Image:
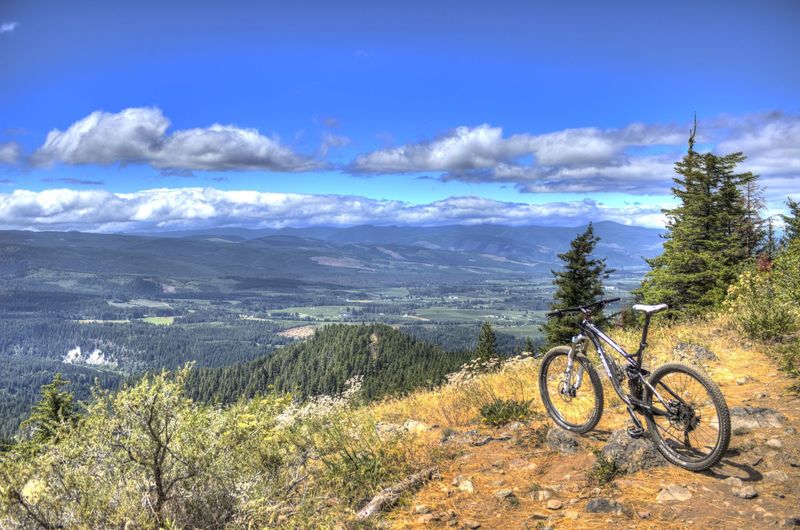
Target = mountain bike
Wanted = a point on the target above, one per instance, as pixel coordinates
(686, 414)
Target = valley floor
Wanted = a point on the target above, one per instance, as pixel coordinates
(515, 480)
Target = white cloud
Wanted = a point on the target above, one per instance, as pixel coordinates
(8, 27)
(9, 153)
(332, 140)
(138, 135)
(636, 159)
(102, 210)
(485, 147)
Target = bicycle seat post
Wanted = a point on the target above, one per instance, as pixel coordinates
(643, 342)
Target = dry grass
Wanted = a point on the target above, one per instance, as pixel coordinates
(457, 407)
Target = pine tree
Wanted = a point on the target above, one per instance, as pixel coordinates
(528, 345)
(752, 230)
(710, 234)
(770, 248)
(487, 343)
(51, 413)
(579, 282)
(791, 222)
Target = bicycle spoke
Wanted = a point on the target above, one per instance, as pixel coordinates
(694, 434)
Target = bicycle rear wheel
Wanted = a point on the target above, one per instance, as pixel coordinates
(575, 405)
(694, 428)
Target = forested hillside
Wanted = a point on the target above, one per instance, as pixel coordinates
(387, 362)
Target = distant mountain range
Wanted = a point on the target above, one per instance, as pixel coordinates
(534, 247)
(359, 255)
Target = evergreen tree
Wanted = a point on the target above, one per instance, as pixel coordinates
(753, 229)
(770, 248)
(528, 345)
(487, 343)
(51, 413)
(580, 282)
(791, 222)
(711, 233)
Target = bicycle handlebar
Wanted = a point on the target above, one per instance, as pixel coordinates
(585, 309)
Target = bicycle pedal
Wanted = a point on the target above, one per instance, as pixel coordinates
(635, 432)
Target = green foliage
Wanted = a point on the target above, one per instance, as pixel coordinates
(712, 233)
(149, 457)
(791, 222)
(390, 362)
(579, 282)
(603, 471)
(487, 343)
(502, 411)
(763, 301)
(52, 414)
(529, 347)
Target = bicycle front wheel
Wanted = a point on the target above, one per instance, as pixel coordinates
(575, 400)
(690, 424)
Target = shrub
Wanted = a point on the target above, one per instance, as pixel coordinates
(604, 469)
(502, 411)
(759, 305)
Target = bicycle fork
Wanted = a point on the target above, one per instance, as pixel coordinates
(578, 343)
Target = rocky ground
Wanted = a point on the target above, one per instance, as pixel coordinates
(531, 475)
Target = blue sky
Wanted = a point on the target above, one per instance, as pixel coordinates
(530, 112)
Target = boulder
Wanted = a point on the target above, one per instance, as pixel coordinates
(562, 441)
(631, 454)
(745, 419)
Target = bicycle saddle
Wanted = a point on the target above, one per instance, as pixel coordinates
(649, 309)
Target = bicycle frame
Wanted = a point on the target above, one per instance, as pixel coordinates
(598, 337)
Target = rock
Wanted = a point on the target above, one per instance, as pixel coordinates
(554, 504)
(760, 395)
(736, 482)
(743, 380)
(752, 459)
(428, 518)
(602, 505)
(414, 426)
(694, 351)
(776, 476)
(562, 441)
(792, 521)
(384, 428)
(472, 525)
(745, 419)
(631, 454)
(543, 495)
(745, 492)
(643, 515)
(674, 493)
(515, 426)
(507, 496)
(503, 494)
(420, 509)
(774, 443)
(466, 485)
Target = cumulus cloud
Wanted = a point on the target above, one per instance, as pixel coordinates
(9, 153)
(138, 135)
(102, 210)
(8, 27)
(485, 147)
(638, 158)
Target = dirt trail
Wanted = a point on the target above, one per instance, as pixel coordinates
(497, 485)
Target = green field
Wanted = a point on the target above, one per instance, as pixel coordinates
(159, 321)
